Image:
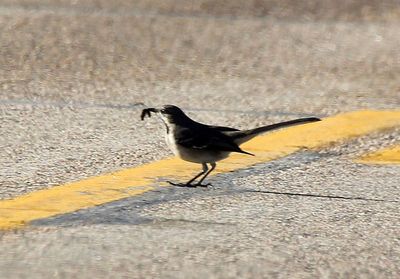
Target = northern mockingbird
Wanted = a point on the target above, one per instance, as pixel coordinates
(204, 144)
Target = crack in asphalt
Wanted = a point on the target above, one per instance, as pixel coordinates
(181, 220)
(140, 105)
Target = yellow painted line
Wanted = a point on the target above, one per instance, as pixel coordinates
(390, 155)
(130, 182)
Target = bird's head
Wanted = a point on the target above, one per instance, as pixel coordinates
(169, 113)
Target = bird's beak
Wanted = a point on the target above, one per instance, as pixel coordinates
(147, 112)
(153, 110)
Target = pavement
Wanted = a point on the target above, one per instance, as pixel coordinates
(73, 75)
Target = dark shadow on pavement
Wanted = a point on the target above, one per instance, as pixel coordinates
(316, 195)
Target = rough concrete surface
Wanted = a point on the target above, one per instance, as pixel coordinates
(72, 75)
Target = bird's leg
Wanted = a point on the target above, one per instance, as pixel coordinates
(189, 183)
(213, 165)
(205, 169)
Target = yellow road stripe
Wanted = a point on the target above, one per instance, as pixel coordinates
(390, 155)
(129, 182)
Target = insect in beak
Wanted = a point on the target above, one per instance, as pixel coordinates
(147, 112)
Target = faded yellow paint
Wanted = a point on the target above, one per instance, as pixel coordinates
(134, 181)
(390, 155)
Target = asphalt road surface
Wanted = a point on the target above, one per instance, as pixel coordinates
(73, 75)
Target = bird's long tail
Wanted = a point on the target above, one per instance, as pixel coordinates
(240, 137)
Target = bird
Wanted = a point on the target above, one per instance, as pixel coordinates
(207, 144)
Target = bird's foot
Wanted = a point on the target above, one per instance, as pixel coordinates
(182, 184)
(202, 185)
(189, 185)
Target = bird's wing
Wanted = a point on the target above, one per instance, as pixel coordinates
(223, 129)
(206, 139)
